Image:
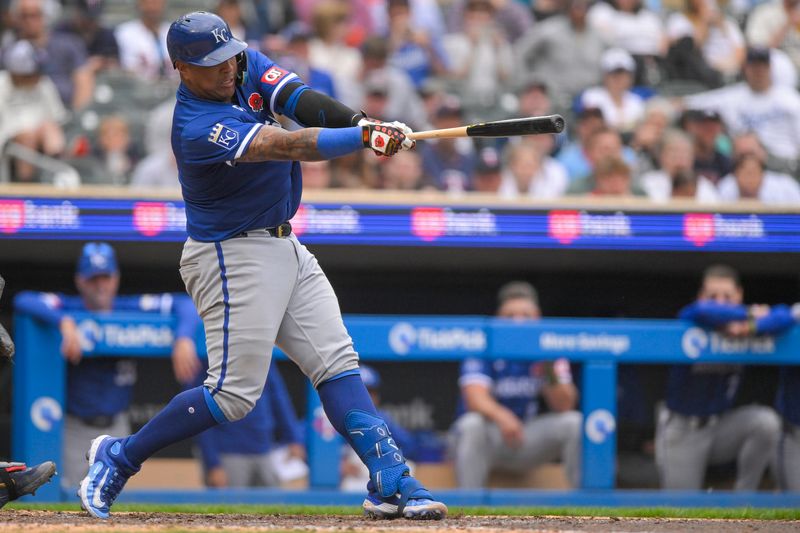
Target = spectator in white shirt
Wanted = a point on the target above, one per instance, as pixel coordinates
(529, 172)
(143, 42)
(751, 180)
(481, 59)
(622, 109)
(676, 155)
(31, 112)
(563, 50)
(776, 25)
(757, 104)
(330, 52)
(628, 25)
(717, 35)
(769, 186)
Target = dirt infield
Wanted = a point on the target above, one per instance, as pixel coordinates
(51, 521)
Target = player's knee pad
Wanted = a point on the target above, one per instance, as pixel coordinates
(374, 444)
(234, 406)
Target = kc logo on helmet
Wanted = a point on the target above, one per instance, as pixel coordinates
(220, 35)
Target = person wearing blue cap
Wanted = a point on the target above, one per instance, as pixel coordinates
(99, 389)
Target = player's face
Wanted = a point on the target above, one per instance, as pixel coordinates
(98, 292)
(519, 309)
(216, 83)
(721, 290)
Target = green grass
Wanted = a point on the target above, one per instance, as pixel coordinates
(743, 513)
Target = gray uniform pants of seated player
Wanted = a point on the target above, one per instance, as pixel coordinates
(249, 470)
(788, 460)
(747, 435)
(77, 437)
(480, 448)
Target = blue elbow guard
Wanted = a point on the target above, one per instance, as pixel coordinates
(374, 444)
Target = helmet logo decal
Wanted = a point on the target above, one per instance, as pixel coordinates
(220, 35)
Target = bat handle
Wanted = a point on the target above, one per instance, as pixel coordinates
(438, 134)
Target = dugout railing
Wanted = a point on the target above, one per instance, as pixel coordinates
(600, 345)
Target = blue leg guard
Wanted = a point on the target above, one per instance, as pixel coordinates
(374, 444)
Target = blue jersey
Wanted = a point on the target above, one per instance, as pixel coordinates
(208, 137)
(515, 384)
(710, 389)
(103, 386)
(272, 420)
(787, 401)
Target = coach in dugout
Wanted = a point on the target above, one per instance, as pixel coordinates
(699, 424)
(99, 389)
(519, 414)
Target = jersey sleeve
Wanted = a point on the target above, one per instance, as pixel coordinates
(45, 306)
(271, 80)
(475, 372)
(712, 314)
(217, 138)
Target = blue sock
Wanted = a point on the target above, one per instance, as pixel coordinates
(188, 414)
(340, 395)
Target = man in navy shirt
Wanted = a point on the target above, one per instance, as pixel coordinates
(252, 281)
(99, 389)
(505, 426)
(699, 424)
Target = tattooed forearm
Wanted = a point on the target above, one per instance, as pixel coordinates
(276, 144)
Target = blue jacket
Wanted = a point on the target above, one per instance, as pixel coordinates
(103, 386)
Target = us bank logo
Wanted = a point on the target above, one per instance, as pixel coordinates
(697, 341)
(600, 425)
(46, 412)
(405, 337)
(693, 342)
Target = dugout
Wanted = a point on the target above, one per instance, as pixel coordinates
(388, 253)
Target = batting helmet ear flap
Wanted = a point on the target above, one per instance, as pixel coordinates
(241, 68)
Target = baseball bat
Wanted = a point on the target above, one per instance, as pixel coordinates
(498, 128)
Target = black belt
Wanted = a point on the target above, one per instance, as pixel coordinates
(281, 230)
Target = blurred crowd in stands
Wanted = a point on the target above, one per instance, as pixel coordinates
(692, 99)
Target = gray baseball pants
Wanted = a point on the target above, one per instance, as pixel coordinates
(77, 437)
(479, 447)
(254, 470)
(252, 293)
(788, 460)
(747, 434)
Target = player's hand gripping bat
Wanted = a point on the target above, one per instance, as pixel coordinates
(498, 128)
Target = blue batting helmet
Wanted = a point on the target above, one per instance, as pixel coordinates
(203, 39)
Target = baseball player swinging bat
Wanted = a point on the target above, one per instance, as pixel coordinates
(497, 128)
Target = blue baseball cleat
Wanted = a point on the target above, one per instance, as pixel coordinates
(413, 502)
(106, 476)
